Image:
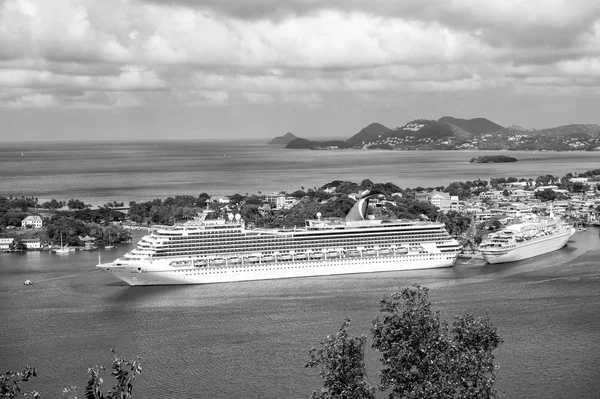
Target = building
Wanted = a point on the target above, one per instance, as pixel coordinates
(6, 243)
(280, 201)
(579, 180)
(32, 243)
(32, 221)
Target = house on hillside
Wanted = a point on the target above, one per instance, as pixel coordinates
(32, 221)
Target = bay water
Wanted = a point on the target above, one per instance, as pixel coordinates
(251, 339)
(99, 172)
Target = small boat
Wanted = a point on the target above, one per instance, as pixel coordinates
(316, 255)
(300, 256)
(63, 249)
(353, 253)
(110, 245)
(218, 261)
(385, 251)
(285, 258)
(333, 254)
(370, 252)
(27, 282)
(268, 258)
(234, 261)
(253, 259)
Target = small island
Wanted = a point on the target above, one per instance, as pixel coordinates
(493, 159)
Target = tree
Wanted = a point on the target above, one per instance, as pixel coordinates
(10, 383)
(75, 204)
(53, 204)
(123, 370)
(422, 358)
(342, 366)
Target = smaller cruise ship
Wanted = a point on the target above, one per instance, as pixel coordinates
(534, 237)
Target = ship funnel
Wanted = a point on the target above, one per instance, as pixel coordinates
(359, 210)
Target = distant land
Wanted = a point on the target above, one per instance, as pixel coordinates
(285, 139)
(449, 133)
(493, 159)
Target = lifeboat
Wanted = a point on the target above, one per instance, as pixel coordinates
(316, 255)
(300, 256)
(268, 258)
(200, 263)
(218, 261)
(234, 261)
(353, 253)
(402, 250)
(370, 252)
(333, 254)
(385, 251)
(253, 259)
(285, 258)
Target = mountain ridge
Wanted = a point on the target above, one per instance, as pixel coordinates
(449, 133)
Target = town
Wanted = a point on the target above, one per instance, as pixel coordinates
(469, 209)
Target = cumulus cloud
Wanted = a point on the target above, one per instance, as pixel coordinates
(219, 52)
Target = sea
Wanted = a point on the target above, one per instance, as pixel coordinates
(252, 339)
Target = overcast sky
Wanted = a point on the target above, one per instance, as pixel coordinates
(127, 69)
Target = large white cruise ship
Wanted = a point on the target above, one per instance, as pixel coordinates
(215, 251)
(527, 239)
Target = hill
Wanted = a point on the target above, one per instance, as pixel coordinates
(285, 139)
(476, 126)
(370, 133)
(450, 133)
(580, 131)
(305, 144)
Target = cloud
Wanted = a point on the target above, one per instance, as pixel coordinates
(197, 53)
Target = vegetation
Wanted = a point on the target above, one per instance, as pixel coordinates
(493, 159)
(123, 370)
(422, 356)
(342, 366)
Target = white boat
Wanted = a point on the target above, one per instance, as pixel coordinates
(64, 249)
(526, 240)
(110, 244)
(212, 241)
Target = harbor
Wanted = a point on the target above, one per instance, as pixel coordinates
(76, 312)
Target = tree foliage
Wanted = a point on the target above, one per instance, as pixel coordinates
(10, 382)
(342, 367)
(123, 370)
(423, 358)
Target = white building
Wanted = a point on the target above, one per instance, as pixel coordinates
(444, 201)
(32, 221)
(578, 180)
(5, 243)
(32, 243)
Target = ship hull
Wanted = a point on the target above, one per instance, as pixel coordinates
(145, 273)
(528, 249)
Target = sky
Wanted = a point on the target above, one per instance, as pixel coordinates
(231, 69)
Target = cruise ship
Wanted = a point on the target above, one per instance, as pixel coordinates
(225, 250)
(527, 239)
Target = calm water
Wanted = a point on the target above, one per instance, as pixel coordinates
(126, 171)
(251, 339)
